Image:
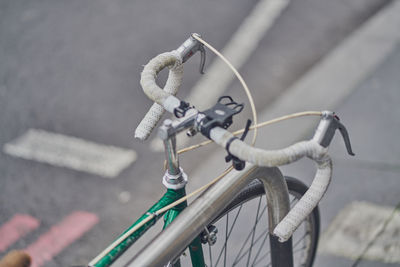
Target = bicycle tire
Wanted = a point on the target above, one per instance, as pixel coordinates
(257, 254)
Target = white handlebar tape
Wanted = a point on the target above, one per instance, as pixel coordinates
(307, 203)
(267, 158)
(155, 93)
(150, 120)
(272, 158)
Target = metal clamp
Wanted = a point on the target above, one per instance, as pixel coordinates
(220, 115)
(169, 127)
(237, 163)
(175, 181)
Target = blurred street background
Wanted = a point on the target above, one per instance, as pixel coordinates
(73, 67)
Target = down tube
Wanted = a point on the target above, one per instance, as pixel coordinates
(171, 242)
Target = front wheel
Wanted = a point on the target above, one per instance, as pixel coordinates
(239, 236)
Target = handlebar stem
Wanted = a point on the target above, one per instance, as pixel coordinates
(170, 149)
(174, 177)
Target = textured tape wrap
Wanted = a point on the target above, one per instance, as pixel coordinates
(268, 158)
(271, 158)
(307, 203)
(155, 93)
(149, 121)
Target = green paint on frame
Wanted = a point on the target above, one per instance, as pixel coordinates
(169, 197)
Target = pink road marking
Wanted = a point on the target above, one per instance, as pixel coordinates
(18, 226)
(61, 236)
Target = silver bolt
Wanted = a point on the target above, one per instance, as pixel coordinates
(191, 132)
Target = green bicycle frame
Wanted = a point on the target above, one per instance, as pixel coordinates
(195, 248)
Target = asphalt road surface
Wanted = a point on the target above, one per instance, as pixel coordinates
(73, 68)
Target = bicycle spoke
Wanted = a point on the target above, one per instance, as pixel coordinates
(263, 257)
(247, 239)
(226, 237)
(299, 249)
(240, 255)
(234, 221)
(257, 239)
(249, 246)
(260, 248)
(294, 246)
(230, 231)
(254, 232)
(301, 238)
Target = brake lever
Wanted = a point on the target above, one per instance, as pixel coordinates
(327, 128)
(190, 47)
(346, 137)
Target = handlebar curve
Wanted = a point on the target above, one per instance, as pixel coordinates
(172, 60)
(272, 158)
(308, 201)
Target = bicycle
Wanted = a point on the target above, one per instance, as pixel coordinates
(289, 203)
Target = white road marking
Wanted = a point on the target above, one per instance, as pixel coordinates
(124, 197)
(70, 152)
(356, 226)
(238, 49)
(330, 81)
(325, 86)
